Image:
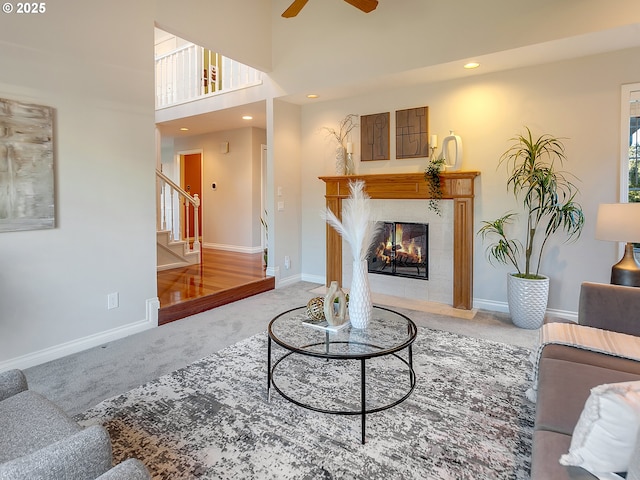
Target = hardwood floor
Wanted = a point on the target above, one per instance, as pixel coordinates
(222, 277)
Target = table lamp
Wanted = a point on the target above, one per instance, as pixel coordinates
(620, 222)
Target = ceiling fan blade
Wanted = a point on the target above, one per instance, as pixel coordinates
(294, 8)
(365, 5)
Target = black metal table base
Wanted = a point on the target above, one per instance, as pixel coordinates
(363, 411)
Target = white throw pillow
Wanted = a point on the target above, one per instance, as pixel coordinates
(634, 467)
(605, 436)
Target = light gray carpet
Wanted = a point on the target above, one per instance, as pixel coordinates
(468, 417)
(80, 381)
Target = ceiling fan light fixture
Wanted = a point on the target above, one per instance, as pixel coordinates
(366, 6)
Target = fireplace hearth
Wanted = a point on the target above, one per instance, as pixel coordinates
(401, 249)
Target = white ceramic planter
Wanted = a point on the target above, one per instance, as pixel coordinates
(527, 301)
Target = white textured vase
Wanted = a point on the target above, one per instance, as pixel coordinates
(341, 165)
(527, 301)
(360, 306)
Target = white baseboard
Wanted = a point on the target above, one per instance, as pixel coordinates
(286, 281)
(152, 307)
(490, 305)
(563, 314)
(233, 248)
(313, 278)
(503, 307)
(80, 344)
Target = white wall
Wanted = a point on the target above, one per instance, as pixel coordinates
(55, 282)
(240, 29)
(231, 219)
(284, 186)
(577, 99)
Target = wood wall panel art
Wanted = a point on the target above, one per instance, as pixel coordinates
(412, 133)
(374, 137)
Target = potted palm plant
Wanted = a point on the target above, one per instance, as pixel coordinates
(548, 196)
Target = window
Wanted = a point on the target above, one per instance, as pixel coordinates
(630, 145)
(634, 149)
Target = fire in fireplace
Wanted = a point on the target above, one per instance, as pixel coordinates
(401, 249)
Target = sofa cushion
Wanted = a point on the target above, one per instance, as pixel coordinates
(563, 389)
(634, 468)
(605, 435)
(84, 455)
(547, 449)
(131, 469)
(578, 355)
(610, 307)
(28, 422)
(11, 383)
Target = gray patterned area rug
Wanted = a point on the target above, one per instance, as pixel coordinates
(467, 418)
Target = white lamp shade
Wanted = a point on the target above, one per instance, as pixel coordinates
(618, 222)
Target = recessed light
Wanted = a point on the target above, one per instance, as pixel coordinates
(247, 117)
(313, 95)
(184, 129)
(471, 65)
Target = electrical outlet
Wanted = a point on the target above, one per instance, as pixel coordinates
(287, 262)
(113, 301)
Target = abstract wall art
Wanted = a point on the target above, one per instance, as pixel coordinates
(374, 137)
(412, 129)
(26, 166)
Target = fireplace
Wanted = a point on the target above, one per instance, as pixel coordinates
(400, 187)
(401, 249)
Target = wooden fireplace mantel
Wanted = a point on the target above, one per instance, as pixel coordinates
(456, 186)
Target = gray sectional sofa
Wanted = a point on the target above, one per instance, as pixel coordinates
(39, 441)
(567, 374)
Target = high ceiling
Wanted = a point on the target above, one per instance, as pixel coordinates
(336, 66)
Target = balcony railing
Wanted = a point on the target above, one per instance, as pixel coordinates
(193, 72)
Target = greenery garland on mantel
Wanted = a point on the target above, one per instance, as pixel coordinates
(432, 177)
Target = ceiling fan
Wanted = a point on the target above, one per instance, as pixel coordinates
(365, 5)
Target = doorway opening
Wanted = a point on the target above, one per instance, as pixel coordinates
(190, 164)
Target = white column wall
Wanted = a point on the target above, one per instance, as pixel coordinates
(55, 282)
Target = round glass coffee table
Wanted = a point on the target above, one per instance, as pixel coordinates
(309, 349)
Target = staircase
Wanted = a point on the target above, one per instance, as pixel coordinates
(174, 253)
(174, 248)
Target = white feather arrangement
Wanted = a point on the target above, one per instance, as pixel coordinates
(357, 226)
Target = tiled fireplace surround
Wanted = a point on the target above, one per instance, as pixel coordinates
(403, 198)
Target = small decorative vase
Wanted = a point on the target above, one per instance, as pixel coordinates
(330, 315)
(360, 306)
(340, 160)
(527, 301)
(349, 167)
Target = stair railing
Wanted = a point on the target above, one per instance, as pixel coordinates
(170, 198)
